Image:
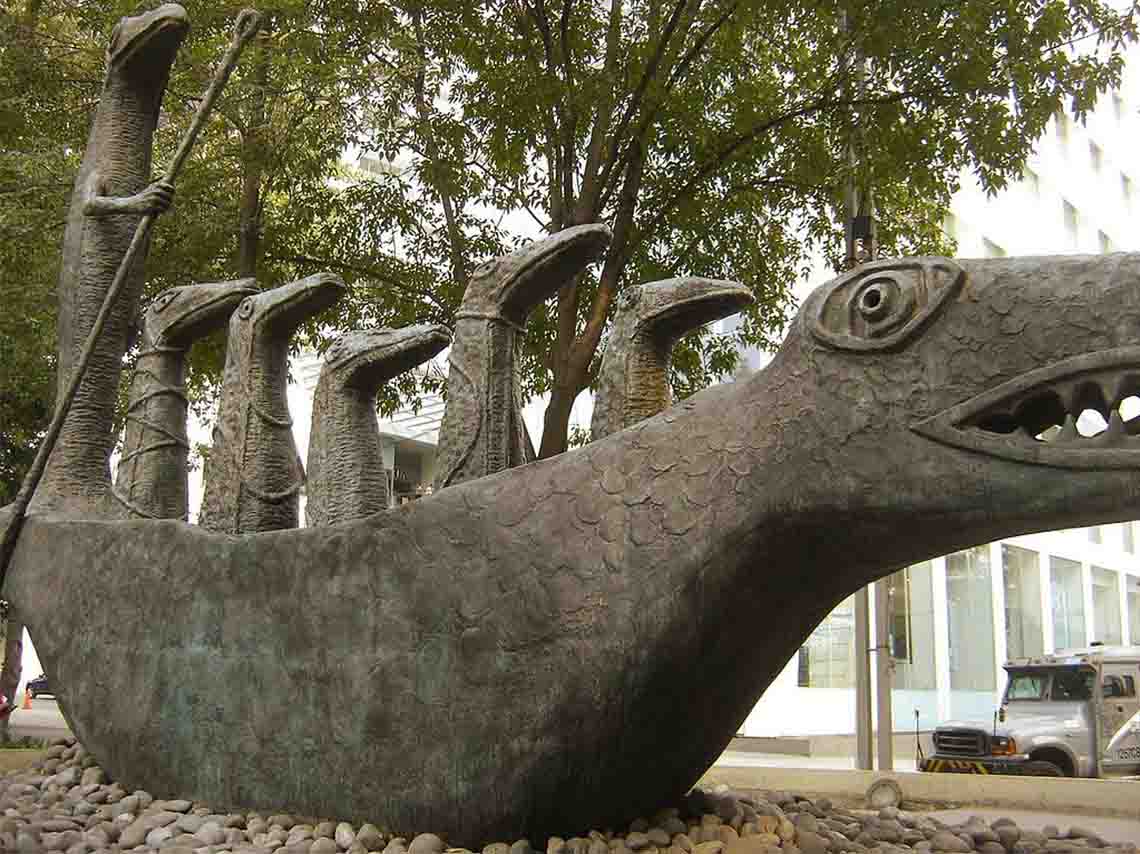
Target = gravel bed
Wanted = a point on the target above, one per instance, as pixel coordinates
(65, 803)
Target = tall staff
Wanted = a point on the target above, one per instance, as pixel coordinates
(245, 27)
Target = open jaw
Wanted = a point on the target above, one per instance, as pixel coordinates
(1081, 413)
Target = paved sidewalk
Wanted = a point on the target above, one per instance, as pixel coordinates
(1109, 829)
(42, 720)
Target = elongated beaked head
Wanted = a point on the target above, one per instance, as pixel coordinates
(367, 359)
(180, 316)
(651, 318)
(512, 285)
(148, 41)
(276, 313)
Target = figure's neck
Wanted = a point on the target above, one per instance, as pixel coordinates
(151, 477)
(346, 478)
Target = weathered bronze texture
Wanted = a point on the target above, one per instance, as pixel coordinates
(569, 644)
(633, 382)
(150, 481)
(109, 197)
(482, 430)
(346, 476)
(253, 475)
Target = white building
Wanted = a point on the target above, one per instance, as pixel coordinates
(956, 619)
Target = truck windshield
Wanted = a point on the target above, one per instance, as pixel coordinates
(1072, 684)
(1026, 686)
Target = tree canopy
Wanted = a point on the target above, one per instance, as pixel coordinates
(715, 136)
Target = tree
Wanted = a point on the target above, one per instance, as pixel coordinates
(713, 136)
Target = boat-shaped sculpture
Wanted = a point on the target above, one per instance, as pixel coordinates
(570, 643)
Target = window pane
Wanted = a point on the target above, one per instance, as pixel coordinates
(970, 624)
(1024, 636)
(1106, 606)
(910, 594)
(827, 660)
(1026, 686)
(1068, 604)
(1134, 608)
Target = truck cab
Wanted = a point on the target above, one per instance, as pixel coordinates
(1074, 715)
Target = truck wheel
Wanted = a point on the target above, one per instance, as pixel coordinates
(1042, 768)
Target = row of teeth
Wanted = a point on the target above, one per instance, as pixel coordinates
(1072, 412)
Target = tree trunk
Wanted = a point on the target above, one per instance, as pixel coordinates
(556, 421)
(13, 665)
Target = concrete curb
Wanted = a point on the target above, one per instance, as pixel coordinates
(1095, 797)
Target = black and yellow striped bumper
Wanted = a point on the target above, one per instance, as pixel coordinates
(955, 766)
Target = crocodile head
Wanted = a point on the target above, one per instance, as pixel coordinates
(365, 360)
(954, 402)
(180, 316)
(511, 285)
(142, 47)
(272, 316)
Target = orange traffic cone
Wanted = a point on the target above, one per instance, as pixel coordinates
(27, 699)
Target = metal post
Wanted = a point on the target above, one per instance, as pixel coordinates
(859, 234)
(862, 681)
(883, 676)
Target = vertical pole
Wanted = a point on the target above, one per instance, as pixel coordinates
(862, 682)
(860, 248)
(883, 677)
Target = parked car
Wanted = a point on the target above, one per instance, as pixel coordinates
(1065, 715)
(39, 686)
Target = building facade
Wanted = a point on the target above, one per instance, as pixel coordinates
(956, 619)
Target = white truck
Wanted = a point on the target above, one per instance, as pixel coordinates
(1073, 714)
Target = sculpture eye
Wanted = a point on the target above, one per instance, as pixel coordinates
(164, 299)
(246, 307)
(486, 268)
(879, 306)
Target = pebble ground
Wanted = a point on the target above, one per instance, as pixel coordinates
(66, 803)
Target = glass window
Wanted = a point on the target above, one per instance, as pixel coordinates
(1095, 534)
(1024, 636)
(1026, 686)
(1133, 596)
(827, 660)
(1032, 181)
(1068, 604)
(1106, 606)
(1063, 127)
(950, 226)
(1127, 534)
(970, 620)
(1129, 686)
(1072, 221)
(1072, 684)
(911, 619)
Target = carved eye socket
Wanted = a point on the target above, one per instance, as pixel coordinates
(879, 306)
(163, 300)
(246, 307)
(486, 268)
